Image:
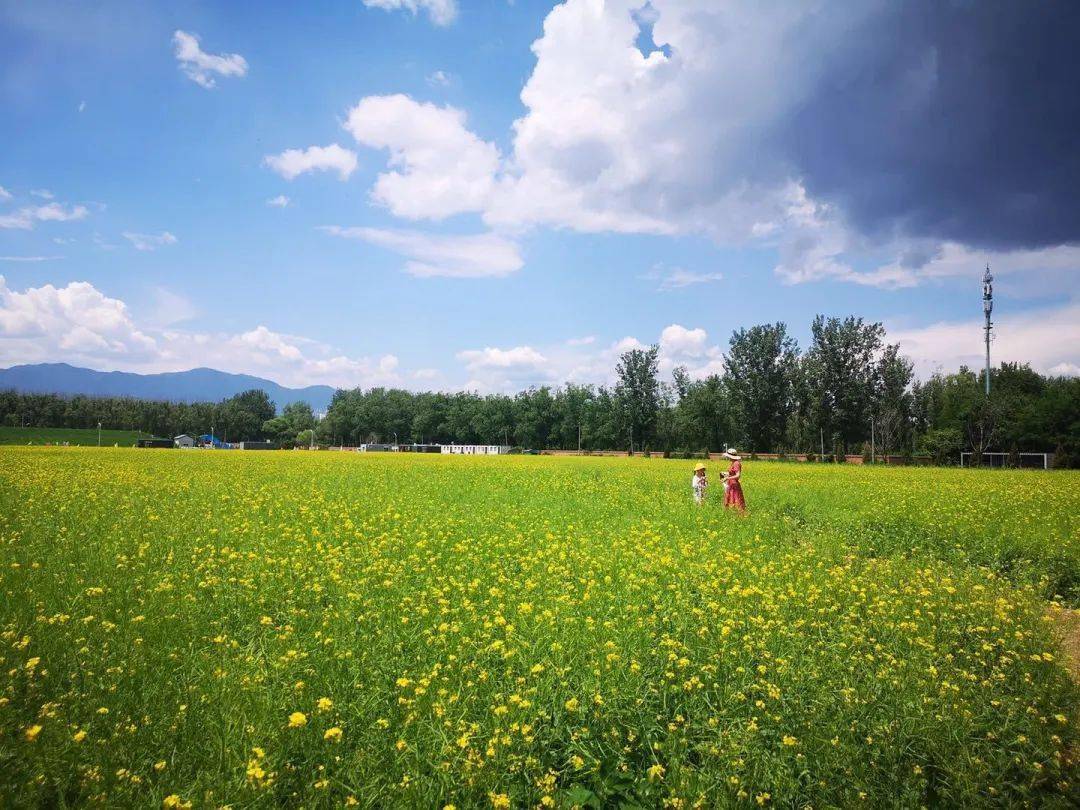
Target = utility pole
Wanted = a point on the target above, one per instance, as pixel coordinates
(988, 307)
(579, 437)
(872, 442)
(99, 434)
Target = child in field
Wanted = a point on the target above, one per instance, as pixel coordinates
(698, 484)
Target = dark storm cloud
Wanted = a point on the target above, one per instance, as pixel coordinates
(956, 121)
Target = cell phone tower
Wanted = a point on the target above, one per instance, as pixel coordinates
(988, 307)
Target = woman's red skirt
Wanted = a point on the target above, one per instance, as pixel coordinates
(733, 498)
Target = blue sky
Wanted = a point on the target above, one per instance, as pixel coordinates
(492, 195)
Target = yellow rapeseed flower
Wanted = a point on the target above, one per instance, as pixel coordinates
(297, 719)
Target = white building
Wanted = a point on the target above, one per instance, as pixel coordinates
(445, 449)
(474, 449)
(183, 440)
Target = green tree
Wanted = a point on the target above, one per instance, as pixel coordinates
(943, 445)
(571, 406)
(429, 412)
(461, 417)
(534, 417)
(241, 417)
(703, 415)
(892, 400)
(638, 393)
(601, 420)
(295, 418)
(760, 370)
(841, 373)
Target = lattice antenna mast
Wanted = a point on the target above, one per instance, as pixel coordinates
(988, 307)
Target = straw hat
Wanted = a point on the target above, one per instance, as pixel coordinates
(699, 467)
(732, 454)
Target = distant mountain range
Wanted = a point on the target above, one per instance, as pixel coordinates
(196, 385)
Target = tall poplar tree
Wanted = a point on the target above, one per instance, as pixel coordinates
(760, 370)
(638, 393)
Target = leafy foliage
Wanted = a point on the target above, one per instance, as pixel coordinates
(761, 367)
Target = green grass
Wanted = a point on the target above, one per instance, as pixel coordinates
(286, 629)
(74, 436)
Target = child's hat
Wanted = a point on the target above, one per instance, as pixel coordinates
(699, 467)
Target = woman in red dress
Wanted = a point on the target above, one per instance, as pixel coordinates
(733, 494)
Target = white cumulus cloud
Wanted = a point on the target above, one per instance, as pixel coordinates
(502, 358)
(672, 137)
(439, 167)
(200, 66)
(1065, 370)
(678, 340)
(494, 369)
(81, 325)
(75, 321)
(293, 162)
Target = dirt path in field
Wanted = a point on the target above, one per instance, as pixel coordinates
(1067, 625)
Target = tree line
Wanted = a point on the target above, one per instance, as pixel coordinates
(238, 418)
(849, 388)
(850, 391)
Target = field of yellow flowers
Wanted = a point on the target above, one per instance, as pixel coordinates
(324, 629)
